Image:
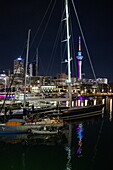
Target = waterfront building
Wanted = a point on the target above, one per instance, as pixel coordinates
(61, 79)
(41, 80)
(48, 88)
(94, 86)
(62, 76)
(102, 80)
(36, 82)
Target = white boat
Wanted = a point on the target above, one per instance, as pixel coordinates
(16, 126)
(45, 131)
(11, 104)
(53, 122)
(20, 126)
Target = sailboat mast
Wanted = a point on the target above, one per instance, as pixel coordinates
(26, 66)
(68, 53)
(68, 45)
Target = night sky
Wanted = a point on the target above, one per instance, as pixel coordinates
(96, 18)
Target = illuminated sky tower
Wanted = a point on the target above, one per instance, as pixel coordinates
(79, 58)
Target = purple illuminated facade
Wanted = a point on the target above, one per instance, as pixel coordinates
(79, 58)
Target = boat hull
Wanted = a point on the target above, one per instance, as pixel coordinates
(26, 128)
(82, 112)
(14, 129)
(44, 132)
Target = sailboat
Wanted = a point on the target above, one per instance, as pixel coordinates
(81, 111)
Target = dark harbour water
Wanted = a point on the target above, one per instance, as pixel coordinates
(84, 145)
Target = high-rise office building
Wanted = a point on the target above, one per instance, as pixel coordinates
(32, 69)
(19, 66)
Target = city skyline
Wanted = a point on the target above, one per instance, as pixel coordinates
(18, 17)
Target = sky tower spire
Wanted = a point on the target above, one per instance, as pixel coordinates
(79, 60)
(79, 44)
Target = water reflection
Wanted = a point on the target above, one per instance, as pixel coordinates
(97, 142)
(74, 143)
(13, 138)
(80, 138)
(68, 164)
(61, 151)
(68, 134)
(64, 151)
(111, 107)
(27, 151)
(29, 139)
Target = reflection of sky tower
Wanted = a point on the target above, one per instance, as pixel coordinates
(79, 58)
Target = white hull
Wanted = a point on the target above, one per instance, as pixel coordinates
(44, 132)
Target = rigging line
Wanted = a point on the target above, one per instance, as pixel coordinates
(61, 50)
(73, 60)
(84, 42)
(98, 139)
(73, 48)
(54, 48)
(12, 81)
(52, 58)
(55, 45)
(46, 27)
(42, 66)
(9, 88)
(23, 49)
(66, 68)
(63, 47)
(62, 11)
(47, 23)
(41, 23)
(63, 34)
(63, 53)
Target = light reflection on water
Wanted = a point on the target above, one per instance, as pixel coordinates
(68, 164)
(111, 107)
(82, 145)
(80, 138)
